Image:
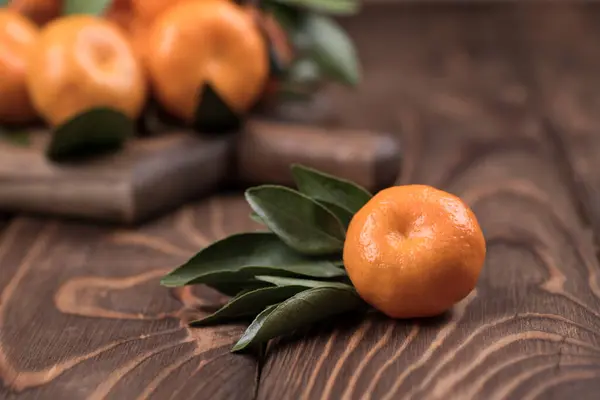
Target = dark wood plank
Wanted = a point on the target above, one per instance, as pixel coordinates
(154, 175)
(265, 150)
(451, 82)
(148, 177)
(565, 60)
(82, 315)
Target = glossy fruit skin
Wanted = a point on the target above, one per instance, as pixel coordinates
(18, 37)
(206, 41)
(82, 62)
(414, 251)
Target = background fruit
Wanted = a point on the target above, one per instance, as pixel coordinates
(39, 11)
(82, 62)
(18, 36)
(414, 251)
(200, 41)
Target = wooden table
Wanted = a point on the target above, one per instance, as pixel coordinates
(500, 105)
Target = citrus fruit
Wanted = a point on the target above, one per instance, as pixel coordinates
(414, 251)
(18, 36)
(82, 62)
(203, 41)
(39, 11)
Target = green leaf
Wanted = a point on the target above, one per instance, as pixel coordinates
(4, 3)
(330, 189)
(303, 309)
(230, 287)
(250, 304)
(307, 283)
(213, 114)
(238, 258)
(343, 215)
(256, 218)
(94, 132)
(336, 7)
(287, 17)
(93, 7)
(332, 49)
(300, 222)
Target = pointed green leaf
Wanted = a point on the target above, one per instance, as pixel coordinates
(93, 7)
(299, 221)
(343, 215)
(213, 114)
(94, 132)
(240, 257)
(332, 49)
(303, 309)
(309, 283)
(250, 304)
(234, 287)
(330, 189)
(336, 7)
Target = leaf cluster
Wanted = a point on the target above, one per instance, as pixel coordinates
(290, 275)
(324, 50)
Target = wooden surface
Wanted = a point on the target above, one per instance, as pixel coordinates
(497, 105)
(265, 150)
(148, 177)
(154, 175)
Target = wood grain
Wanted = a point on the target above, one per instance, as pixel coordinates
(82, 315)
(456, 84)
(564, 65)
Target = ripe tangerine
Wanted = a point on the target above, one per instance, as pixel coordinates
(83, 62)
(202, 41)
(18, 36)
(414, 251)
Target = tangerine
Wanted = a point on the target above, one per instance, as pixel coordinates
(199, 41)
(18, 36)
(414, 251)
(82, 62)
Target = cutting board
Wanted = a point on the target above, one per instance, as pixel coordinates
(152, 175)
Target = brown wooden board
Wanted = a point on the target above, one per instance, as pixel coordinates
(154, 175)
(148, 177)
(532, 328)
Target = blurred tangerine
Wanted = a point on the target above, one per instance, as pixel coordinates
(83, 62)
(206, 41)
(18, 36)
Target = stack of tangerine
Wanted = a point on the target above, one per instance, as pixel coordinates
(56, 67)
